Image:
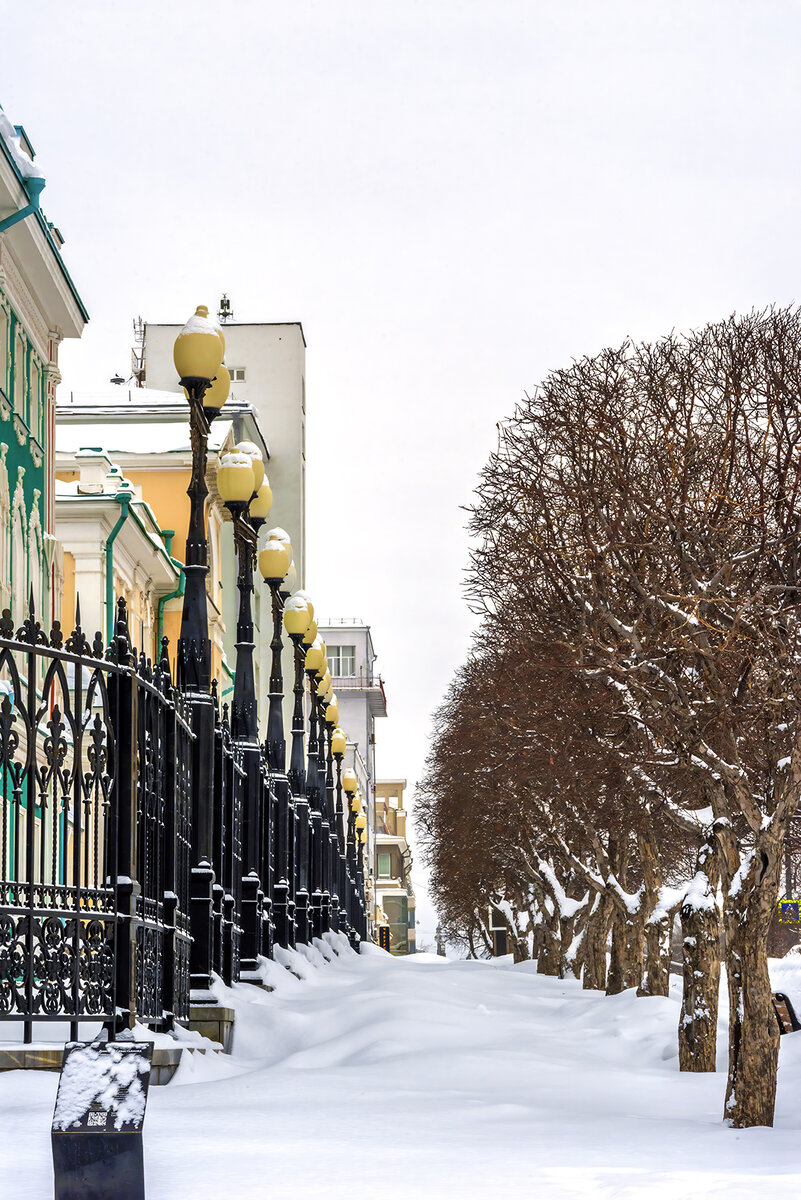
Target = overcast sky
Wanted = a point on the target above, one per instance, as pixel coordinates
(453, 197)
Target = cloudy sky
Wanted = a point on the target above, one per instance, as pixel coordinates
(453, 196)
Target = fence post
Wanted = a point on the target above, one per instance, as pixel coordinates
(125, 845)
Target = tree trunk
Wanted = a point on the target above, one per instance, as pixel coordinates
(753, 1028)
(626, 959)
(655, 979)
(700, 928)
(550, 956)
(594, 945)
(658, 930)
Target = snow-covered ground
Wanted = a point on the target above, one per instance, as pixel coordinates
(424, 1079)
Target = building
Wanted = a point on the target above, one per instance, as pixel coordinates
(394, 894)
(112, 546)
(39, 307)
(361, 700)
(145, 434)
(267, 365)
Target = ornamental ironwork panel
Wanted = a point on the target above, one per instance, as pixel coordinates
(58, 910)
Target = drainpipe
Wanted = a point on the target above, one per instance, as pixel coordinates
(33, 186)
(124, 500)
(168, 535)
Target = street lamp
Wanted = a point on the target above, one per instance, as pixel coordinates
(299, 623)
(350, 784)
(239, 471)
(198, 355)
(361, 834)
(274, 562)
(339, 744)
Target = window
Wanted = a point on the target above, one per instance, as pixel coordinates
(385, 866)
(341, 660)
(237, 374)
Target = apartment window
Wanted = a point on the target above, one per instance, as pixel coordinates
(237, 374)
(341, 660)
(385, 866)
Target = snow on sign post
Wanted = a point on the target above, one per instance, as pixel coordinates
(98, 1119)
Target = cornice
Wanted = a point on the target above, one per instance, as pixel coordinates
(22, 301)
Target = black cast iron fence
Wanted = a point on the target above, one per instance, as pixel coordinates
(96, 902)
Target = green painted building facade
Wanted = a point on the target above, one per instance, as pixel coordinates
(39, 307)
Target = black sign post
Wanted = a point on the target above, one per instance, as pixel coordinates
(98, 1119)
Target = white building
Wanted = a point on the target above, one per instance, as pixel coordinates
(267, 364)
(361, 700)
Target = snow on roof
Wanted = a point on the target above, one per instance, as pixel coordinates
(22, 160)
(136, 436)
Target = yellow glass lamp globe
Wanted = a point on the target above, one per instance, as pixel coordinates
(253, 451)
(274, 562)
(308, 600)
(216, 394)
(356, 803)
(235, 478)
(310, 635)
(291, 578)
(362, 836)
(314, 657)
(199, 348)
(361, 821)
(332, 712)
(296, 616)
(339, 743)
(323, 684)
(281, 535)
(262, 502)
(349, 780)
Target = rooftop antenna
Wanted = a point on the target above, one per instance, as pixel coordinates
(225, 312)
(138, 352)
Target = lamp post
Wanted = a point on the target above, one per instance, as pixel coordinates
(324, 693)
(274, 562)
(362, 897)
(198, 355)
(350, 784)
(244, 469)
(339, 744)
(315, 671)
(361, 835)
(331, 718)
(299, 623)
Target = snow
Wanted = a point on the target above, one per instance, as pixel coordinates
(27, 168)
(359, 1076)
(110, 1076)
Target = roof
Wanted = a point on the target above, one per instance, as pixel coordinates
(14, 161)
(233, 325)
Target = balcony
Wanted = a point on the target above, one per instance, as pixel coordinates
(371, 685)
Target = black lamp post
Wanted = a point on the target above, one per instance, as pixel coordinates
(316, 672)
(274, 561)
(238, 471)
(350, 784)
(338, 747)
(301, 627)
(331, 716)
(303, 643)
(198, 355)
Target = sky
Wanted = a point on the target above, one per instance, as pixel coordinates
(454, 197)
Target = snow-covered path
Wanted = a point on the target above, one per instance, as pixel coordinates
(423, 1079)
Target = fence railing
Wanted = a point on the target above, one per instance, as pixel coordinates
(96, 846)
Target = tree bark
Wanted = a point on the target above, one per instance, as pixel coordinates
(700, 928)
(626, 959)
(594, 945)
(655, 979)
(753, 1029)
(550, 956)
